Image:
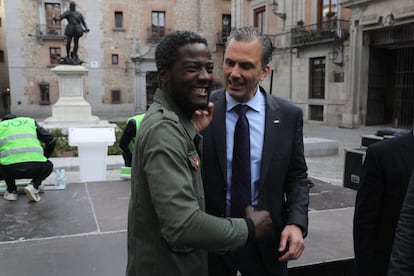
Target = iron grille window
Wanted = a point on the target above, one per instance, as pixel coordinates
(116, 96)
(317, 78)
(316, 112)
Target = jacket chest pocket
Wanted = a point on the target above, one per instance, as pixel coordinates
(194, 163)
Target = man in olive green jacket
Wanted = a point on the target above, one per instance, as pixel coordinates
(168, 231)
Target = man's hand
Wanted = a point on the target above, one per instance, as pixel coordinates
(202, 118)
(261, 220)
(292, 242)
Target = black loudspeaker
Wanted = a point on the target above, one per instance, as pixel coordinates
(353, 167)
(367, 140)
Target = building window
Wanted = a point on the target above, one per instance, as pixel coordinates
(317, 78)
(2, 58)
(119, 17)
(225, 26)
(115, 59)
(44, 93)
(54, 54)
(316, 113)
(259, 18)
(327, 9)
(151, 80)
(52, 27)
(158, 23)
(0, 21)
(116, 96)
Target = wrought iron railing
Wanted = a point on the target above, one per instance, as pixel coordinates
(154, 35)
(50, 31)
(327, 31)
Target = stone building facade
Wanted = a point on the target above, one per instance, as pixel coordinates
(346, 63)
(381, 64)
(341, 61)
(118, 51)
(4, 72)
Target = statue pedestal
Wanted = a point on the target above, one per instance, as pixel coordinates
(71, 109)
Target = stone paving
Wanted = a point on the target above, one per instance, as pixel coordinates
(328, 169)
(81, 230)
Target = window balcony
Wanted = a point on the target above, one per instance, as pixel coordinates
(154, 35)
(50, 32)
(324, 32)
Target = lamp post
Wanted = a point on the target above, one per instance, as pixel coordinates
(273, 6)
(126, 66)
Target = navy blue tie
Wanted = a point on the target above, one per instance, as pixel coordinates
(241, 178)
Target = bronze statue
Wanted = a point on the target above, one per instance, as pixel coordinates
(74, 30)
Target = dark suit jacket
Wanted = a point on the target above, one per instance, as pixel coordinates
(386, 172)
(283, 188)
(402, 255)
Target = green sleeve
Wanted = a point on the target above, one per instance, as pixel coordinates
(175, 199)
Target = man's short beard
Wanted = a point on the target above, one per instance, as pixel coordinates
(187, 107)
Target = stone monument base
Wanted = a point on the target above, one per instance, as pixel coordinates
(72, 110)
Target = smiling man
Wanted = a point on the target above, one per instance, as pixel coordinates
(272, 175)
(168, 230)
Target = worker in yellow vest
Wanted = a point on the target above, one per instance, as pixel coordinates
(127, 142)
(23, 156)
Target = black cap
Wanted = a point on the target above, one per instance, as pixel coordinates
(9, 116)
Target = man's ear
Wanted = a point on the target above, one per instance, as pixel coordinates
(265, 72)
(164, 76)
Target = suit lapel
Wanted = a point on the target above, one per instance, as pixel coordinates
(273, 119)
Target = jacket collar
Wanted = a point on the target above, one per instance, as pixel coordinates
(169, 104)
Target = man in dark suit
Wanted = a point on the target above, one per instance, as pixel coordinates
(402, 254)
(278, 172)
(386, 172)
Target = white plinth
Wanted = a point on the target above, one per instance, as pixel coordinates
(71, 109)
(92, 146)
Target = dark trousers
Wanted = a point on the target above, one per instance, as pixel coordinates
(127, 160)
(247, 260)
(37, 171)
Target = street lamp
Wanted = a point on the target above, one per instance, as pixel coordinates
(333, 54)
(273, 6)
(336, 55)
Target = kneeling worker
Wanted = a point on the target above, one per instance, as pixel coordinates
(22, 154)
